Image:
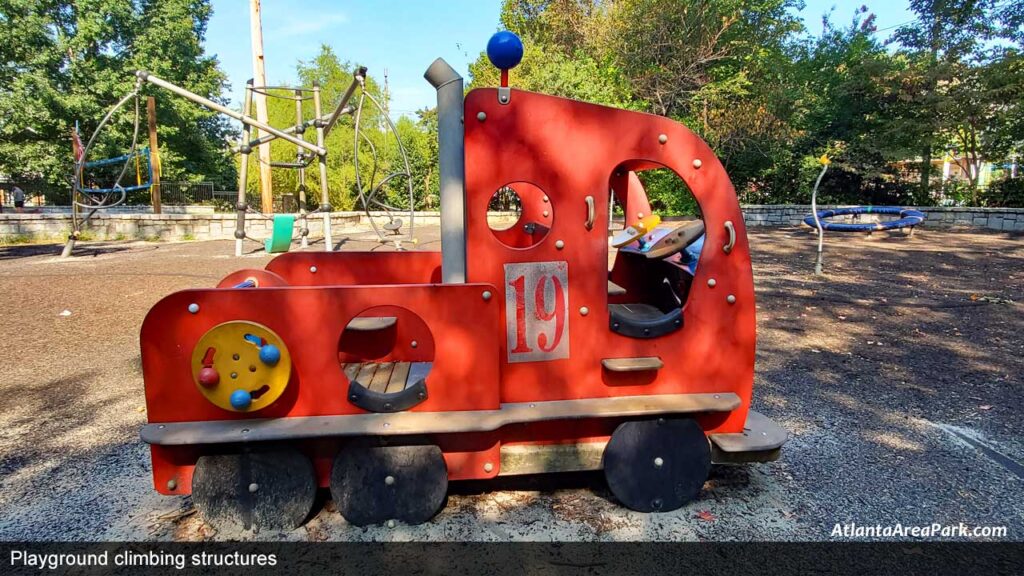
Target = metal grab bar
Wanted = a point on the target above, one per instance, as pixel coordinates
(732, 236)
(590, 212)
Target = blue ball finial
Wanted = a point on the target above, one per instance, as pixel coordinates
(269, 354)
(240, 399)
(505, 50)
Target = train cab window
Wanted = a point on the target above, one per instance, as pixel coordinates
(520, 215)
(652, 269)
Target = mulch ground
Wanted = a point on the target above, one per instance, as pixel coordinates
(898, 374)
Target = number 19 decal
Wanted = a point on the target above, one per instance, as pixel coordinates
(536, 311)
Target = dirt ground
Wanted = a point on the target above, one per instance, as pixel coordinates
(898, 375)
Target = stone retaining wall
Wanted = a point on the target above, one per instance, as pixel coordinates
(1004, 219)
(183, 226)
(218, 226)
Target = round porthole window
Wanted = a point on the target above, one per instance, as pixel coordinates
(520, 215)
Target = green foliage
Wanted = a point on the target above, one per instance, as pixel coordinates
(770, 99)
(64, 61)
(379, 152)
(1005, 193)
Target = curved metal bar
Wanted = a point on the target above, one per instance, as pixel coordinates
(405, 160)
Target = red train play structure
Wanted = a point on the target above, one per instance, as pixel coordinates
(385, 375)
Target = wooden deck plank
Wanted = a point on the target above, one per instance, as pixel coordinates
(366, 372)
(351, 370)
(381, 377)
(398, 377)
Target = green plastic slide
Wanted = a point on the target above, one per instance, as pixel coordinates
(281, 238)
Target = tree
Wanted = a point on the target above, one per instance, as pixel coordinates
(945, 40)
(63, 61)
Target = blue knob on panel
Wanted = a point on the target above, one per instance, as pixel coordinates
(269, 354)
(240, 399)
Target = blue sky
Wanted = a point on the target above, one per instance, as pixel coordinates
(404, 37)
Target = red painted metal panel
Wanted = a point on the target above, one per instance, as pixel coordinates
(355, 268)
(572, 150)
(464, 326)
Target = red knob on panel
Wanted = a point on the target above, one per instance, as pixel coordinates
(209, 377)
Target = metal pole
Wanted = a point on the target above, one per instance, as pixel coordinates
(814, 211)
(291, 129)
(325, 201)
(299, 129)
(244, 119)
(357, 79)
(243, 172)
(452, 160)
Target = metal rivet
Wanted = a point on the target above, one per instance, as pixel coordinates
(387, 406)
(546, 199)
(663, 138)
(584, 310)
(312, 269)
(421, 395)
(559, 244)
(172, 484)
(658, 462)
(234, 374)
(354, 397)
(717, 396)
(712, 282)
(730, 299)
(640, 215)
(245, 430)
(481, 116)
(193, 307)
(656, 504)
(387, 424)
(161, 426)
(254, 487)
(488, 467)
(697, 164)
(390, 480)
(235, 357)
(486, 295)
(545, 213)
(414, 344)
(391, 523)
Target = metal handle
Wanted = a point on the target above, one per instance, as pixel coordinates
(732, 236)
(590, 212)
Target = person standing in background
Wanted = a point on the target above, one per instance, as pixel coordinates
(19, 199)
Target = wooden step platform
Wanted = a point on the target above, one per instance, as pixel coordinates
(386, 377)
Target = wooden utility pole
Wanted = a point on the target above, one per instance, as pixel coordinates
(154, 154)
(259, 76)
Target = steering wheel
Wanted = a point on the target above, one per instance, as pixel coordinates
(667, 241)
(636, 231)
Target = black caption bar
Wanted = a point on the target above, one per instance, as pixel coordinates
(480, 559)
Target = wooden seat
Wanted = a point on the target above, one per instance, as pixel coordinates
(371, 323)
(614, 289)
(632, 364)
(386, 377)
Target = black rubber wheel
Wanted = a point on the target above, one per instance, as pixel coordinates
(374, 484)
(657, 465)
(255, 489)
